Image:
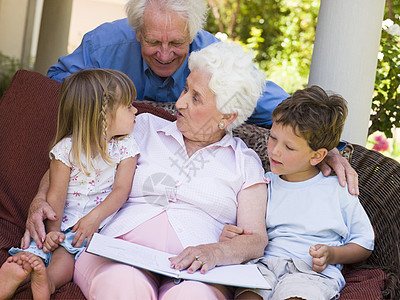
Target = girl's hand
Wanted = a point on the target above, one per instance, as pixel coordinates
(322, 255)
(231, 231)
(53, 239)
(201, 257)
(84, 229)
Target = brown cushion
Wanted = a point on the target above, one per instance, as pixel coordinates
(363, 284)
(28, 114)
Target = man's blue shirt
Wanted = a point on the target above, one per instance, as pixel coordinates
(114, 46)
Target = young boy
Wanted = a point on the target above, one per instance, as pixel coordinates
(314, 225)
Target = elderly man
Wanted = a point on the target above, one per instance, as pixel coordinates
(152, 47)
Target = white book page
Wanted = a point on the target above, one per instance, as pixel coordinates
(236, 275)
(132, 254)
(157, 261)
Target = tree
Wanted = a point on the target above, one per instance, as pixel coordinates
(386, 101)
(280, 33)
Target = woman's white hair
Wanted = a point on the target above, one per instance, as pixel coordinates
(235, 80)
(193, 11)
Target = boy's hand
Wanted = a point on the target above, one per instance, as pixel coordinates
(231, 231)
(84, 229)
(322, 255)
(52, 240)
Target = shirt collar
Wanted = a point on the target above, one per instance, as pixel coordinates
(172, 130)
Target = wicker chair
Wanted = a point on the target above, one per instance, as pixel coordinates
(379, 182)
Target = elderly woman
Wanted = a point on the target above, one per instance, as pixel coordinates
(192, 178)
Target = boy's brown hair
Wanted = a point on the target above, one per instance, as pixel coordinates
(314, 116)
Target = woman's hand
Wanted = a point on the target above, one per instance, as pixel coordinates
(343, 170)
(202, 257)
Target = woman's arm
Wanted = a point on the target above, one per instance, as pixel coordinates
(251, 216)
(39, 210)
(122, 186)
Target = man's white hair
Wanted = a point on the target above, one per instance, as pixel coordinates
(235, 80)
(194, 12)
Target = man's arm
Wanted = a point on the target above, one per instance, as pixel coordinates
(69, 64)
(271, 97)
(39, 210)
(343, 170)
(83, 56)
(111, 45)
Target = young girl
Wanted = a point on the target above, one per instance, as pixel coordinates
(93, 161)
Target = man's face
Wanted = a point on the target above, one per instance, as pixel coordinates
(164, 40)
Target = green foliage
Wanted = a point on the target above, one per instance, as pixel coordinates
(8, 67)
(386, 101)
(280, 33)
(290, 65)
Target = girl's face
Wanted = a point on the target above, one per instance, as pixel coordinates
(122, 121)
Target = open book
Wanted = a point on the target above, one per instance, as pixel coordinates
(158, 262)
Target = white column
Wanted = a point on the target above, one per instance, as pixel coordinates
(54, 32)
(345, 57)
(29, 33)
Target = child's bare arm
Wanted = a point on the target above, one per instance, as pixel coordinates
(230, 231)
(89, 224)
(57, 193)
(324, 255)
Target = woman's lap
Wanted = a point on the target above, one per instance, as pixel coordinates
(194, 290)
(101, 278)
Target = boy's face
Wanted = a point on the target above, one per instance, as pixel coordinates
(289, 155)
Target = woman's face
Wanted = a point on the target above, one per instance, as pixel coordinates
(197, 116)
